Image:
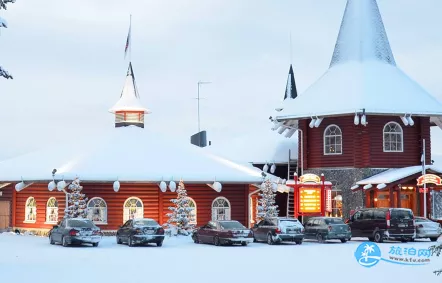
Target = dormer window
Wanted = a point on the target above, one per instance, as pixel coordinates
(393, 137)
(332, 140)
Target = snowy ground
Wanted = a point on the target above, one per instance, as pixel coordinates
(33, 259)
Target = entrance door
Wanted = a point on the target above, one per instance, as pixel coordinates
(4, 214)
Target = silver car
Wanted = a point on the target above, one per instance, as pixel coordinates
(425, 228)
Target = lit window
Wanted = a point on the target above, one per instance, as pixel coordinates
(192, 204)
(52, 210)
(30, 210)
(133, 208)
(97, 211)
(393, 137)
(220, 209)
(332, 140)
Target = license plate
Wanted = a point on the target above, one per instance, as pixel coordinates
(403, 225)
(87, 238)
(341, 235)
(149, 231)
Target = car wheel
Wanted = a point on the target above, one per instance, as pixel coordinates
(254, 239)
(51, 241)
(298, 242)
(160, 244)
(320, 238)
(378, 237)
(343, 240)
(371, 239)
(119, 242)
(404, 240)
(130, 242)
(270, 239)
(95, 244)
(243, 243)
(196, 240)
(216, 241)
(433, 239)
(64, 242)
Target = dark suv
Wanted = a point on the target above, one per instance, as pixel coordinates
(379, 224)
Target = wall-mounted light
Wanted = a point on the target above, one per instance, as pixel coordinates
(273, 168)
(356, 119)
(61, 185)
(318, 122)
(217, 186)
(404, 120)
(265, 168)
(172, 186)
(410, 121)
(375, 199)
(52, 186)
(20, 186)
(290, 133)
(163, 186)
(312, 123)
(116, 186)
(364, 120)
(276, 125)
(282, 129)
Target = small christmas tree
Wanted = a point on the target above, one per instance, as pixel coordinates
(266, 202)
(76, 201)
(180, 214)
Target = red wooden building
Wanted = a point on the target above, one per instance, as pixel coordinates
(363, 117)
(129, 172)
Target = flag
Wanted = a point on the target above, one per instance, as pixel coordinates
(128, 39)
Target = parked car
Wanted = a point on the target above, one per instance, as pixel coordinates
(327, 228)
(425, 228)
(140, 231)
(73, 231)
(379, 224)
(223, 232)
(277, 230)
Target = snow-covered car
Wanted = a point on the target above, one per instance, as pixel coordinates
(425, 228)
(278, 229)
(223, 232)
(75, 231)
(140, 231)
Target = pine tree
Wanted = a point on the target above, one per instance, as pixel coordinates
(266, 202)
(76, 201)
(181, 212)
(3, 24)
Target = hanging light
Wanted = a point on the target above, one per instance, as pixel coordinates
(116, 186)
(20, 186)
(61, 185)
(273, 168)
(265, 168)
(318, 122)
(404, 120)
(312, 123)
(356, 120)
(217, 186)
(52, 186)
(410, 121)
(172, 186)
(163, 186)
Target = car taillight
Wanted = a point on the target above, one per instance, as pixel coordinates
(278, 231)
(329, 228)
(160, 231)
(388, 218)
(73, 232)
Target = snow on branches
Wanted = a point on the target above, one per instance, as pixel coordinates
(181, 213)
(266, 201)
(4, 24)
(76, 201)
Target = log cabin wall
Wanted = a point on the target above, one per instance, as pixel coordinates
(6, 204)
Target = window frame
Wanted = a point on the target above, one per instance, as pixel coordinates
(101, 211)
(137, 213)
(215, 210)
(48, 208)
(195, 211)
(28, 208)
(325, 137)
(393, 133)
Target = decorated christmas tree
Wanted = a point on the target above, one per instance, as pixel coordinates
(76, 201)
(266, 201)
(4, 24)
(181, 212)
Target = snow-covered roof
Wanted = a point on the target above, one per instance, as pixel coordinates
(258, 149)
(363, 74)
(129, 99)
(127, 154)
(393, 175)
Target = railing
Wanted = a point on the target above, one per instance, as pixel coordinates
(129, 118)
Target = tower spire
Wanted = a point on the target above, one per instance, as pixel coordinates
(290, 89)
(362, 35)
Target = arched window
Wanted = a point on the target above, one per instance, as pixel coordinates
(192, 204)
(393, 138)
(52, 211)
(133, 208)
(97, 210)
(30, 210)
(332, 140)
(220, 209)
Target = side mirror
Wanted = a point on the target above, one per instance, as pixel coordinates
(55, 226)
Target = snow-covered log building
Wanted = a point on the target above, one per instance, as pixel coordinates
(365, 116)
(130, 172)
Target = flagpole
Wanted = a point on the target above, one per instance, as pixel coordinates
(425, 185)
(130, 39)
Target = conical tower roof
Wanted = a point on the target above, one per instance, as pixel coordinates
(362, 75)
(290, 89)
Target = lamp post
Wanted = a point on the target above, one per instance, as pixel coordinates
(198, 98)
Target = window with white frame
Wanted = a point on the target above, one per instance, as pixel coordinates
(30, 210)
(52, 210)
(393, 137)
(192, 204)
(133, 208)
(332, 140)
(97, 210)
(221, 209)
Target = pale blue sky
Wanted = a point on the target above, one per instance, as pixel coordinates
(67, 58)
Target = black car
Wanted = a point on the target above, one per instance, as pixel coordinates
(277, 230)
(140, 231)
(327, 228)
(75, 231)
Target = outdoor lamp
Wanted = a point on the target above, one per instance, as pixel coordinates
(116, 186)
(163, 186)
(172, 186)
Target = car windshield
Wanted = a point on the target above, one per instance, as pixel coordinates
(231, 225)
(289, 223)
(333, 221)
(81, 223)
(401, 214)
(145, 222)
